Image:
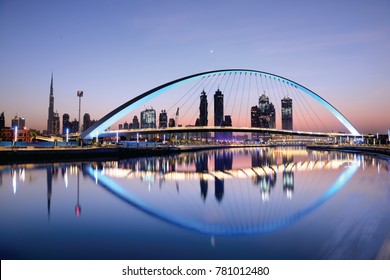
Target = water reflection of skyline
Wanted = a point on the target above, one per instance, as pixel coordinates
(337, 208)
(270, 171)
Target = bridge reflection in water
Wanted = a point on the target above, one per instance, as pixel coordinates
(255, 190)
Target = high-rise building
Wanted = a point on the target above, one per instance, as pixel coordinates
(126, 125)
(218, 112)
(19, 122)
(163, 119)
(203, 121)
(171, 122)
(148, 118)
(66, 124)
(266, 112)
(86, 121)
(263, 115)
(135, 122)
(50, 118)
(56, 124)
(263, 104)
(75, 126)
(255, 116)
(2, 120)
(272, 116)
(218, 108)
(287, 114)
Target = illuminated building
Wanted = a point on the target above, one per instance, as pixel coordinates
(287, 114)
(66, 124)
(148, 118)
(19, 122)
(50, 118)
(218, 112)
(163, 119)
(56, 124)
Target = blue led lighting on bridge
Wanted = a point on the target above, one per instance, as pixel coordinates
(215, 228)
(136, 102)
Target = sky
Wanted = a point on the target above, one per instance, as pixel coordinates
(114, 50)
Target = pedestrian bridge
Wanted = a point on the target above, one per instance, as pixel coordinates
(249, 100)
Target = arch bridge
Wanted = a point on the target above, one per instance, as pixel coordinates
(270, 79)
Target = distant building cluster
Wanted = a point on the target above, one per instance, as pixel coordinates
(19, 132)
(18, 127)
(262, 115)
(68, 126)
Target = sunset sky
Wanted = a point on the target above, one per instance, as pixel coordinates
(114, 50)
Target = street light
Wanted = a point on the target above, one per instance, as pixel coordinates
(79, 95)
(16, 134)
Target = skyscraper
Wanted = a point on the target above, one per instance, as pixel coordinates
(263, 115)
(148, 118)
(163, 119)
(135, 122)
(86, 121)
(272, 118)
(255, 116)
(287, 113)
(50, 118)
(203, 121)
(266, 112)
(19, 122)
(56, 124)
(218, 112)
(2, 120)
(171, 122)
(218, 108)
(66, 124)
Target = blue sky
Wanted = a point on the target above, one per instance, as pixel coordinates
(114, 50)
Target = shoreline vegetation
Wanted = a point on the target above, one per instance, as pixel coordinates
(16, 155)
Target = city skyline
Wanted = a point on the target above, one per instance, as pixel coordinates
(123, 50)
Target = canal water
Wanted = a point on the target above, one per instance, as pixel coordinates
(257, 203)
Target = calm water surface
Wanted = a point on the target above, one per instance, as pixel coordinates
(260, 203)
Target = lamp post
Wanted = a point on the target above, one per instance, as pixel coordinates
(79, 95)
(16, 134)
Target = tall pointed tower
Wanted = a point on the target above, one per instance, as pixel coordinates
(50, 118)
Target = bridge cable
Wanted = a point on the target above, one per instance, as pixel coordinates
(235, 96)
(243, 90)
(229, 94)
(201, 82)
(308, 113)
(212, 99)
(185, 112)
(277, 100)
(302, 114)
(197, 111)
(247, 103)
(314, 111)
(196, 95)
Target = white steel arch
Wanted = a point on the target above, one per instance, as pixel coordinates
(134, 103)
